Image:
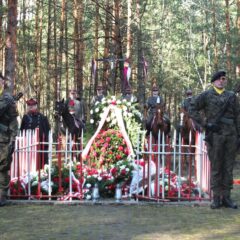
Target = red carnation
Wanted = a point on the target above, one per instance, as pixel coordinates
(118, 156)
(113, 171)
(71, 103)
(120, 148)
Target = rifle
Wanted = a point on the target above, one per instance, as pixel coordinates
(217, 119)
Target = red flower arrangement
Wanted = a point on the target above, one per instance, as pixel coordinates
(108, 148)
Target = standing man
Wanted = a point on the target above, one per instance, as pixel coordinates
(34, 119)
(222, 124)
(8, 132)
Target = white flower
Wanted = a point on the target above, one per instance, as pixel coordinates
(124, 100)
(88, 197)
(128, 104)
(101, 115)
(91, 121)
(97, 110)
(103, 100)
(108, 119)
(127, 169)
(130, 114)
(104, 109)
(96, 103)
(118, 101)
(109, 101)
(114, 121)
(99, 178)
(88, 185)
(122, 167)
(124, 107)
(91, 111)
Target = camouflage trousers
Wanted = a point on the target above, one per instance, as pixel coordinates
(5, 163)
(222, 155)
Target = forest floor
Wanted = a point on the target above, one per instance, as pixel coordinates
(143, 221)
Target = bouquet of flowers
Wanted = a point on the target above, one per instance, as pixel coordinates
(108, 148)
(130, 113)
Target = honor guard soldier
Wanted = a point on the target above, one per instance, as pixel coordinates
(8, 133)
(129, 95)
(186, 102)
(34, 119)
(222, 123)
(99, 96)
(150, 106)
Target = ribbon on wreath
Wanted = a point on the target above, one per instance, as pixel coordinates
(118, 114)
(126, 72)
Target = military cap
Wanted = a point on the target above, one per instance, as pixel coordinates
(31, 102)
(189, 92)
(218, 75)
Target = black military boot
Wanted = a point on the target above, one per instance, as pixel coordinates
(228, 203)
(3, 199)
(216, 203)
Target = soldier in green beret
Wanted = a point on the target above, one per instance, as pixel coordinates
(8, 132)
(224, 131)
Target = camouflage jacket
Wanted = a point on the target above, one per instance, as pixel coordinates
(8, 119)
(210, 104)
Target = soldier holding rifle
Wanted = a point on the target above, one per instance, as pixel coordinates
(8, 132)
(222, 124)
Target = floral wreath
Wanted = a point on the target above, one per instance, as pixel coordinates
(130, 112)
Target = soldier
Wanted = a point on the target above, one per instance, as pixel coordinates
(76, 107)
(34, 119)
(186, 102)
(129, 96)
(8, 132)
(224, 131)
(98, 97)
(150, 106)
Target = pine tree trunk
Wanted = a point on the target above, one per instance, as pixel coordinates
(1, 37)
(11, 40)
(238, 47)
(140, 77)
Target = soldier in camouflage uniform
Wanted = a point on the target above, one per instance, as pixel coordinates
(8, 132)
(150, 106)
(222, 146)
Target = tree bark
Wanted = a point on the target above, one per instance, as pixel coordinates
(238, 34)
(11, 41)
